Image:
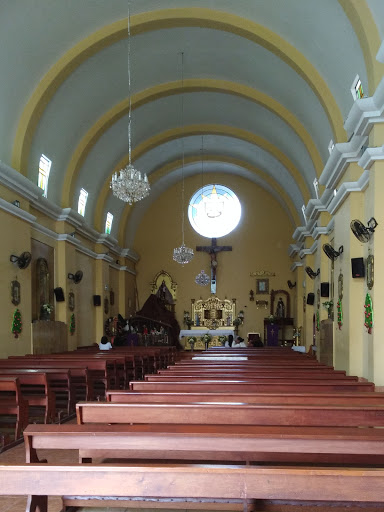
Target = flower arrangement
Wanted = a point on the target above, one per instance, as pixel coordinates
(328, 304)
(271, 319)
(192, 339)
(237, 322)
(47, 308)
(222, 339)
(187, 319)
(206, 337)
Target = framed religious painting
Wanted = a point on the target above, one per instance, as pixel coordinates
(262, 286)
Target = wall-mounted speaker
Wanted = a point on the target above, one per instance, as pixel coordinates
(358, 269)
(311, 299)
(324, 289)
(97, 300)
(59, 294)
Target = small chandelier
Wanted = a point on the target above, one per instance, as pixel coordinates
(182, 254)
(129, 185)
(202, 279)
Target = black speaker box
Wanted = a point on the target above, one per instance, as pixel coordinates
(324, 289)
(97, 300)
(59, 294)
(311, 299)
(358, 269)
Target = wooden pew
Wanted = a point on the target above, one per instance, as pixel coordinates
(244, 386)
(13, 404)
(194, 486)
(235, 443)
(303, 398)
(230, 414)
(256, 376)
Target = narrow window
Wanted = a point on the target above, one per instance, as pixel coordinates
(82, 202)
(357, 89)
(303, 210)
(331, 145)
(44, 168)
(108, 223)
(316, 187)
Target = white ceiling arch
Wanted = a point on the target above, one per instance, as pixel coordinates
(268, 69)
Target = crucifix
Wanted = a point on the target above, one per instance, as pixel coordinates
(212, 250)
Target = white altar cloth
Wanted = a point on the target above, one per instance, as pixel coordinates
(200, 332)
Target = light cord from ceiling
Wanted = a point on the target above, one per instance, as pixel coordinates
(130, 186)
(182, 254)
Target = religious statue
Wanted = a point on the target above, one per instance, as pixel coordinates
(197, 320)
(280, 309)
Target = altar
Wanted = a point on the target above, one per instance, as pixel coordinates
(185, 334)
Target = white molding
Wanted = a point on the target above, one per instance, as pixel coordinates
(366, 112)
(347, 188)
(18, 183)
(370, 156)
(342, 154)
(296, 265)
(309, 250)
(34, 194)
(324, 230)
(294, 249)
(16, 211)
(302, 232)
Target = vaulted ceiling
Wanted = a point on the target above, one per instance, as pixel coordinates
(266, 87)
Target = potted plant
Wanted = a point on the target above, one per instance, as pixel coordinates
(222, 339)
(192, 341)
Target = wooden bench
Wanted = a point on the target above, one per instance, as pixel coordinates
(334, 398)
(250, 387)
(235, 443)
(194, 486)
(230, 414)
(13, 404)
(256, 376)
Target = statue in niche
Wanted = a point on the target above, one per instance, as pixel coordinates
(197, 320)
(280, 309)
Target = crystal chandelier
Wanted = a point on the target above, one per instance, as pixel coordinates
(202, 279)
(129, 184)
(182, 254)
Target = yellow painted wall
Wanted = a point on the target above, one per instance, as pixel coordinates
(259, 243)
(15, 240)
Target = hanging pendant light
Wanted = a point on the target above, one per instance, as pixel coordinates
(129, 184)
(182, 254)
(202, 279)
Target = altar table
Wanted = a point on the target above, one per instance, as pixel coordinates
(198, 333)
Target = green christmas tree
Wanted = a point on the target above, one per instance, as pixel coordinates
(72, 324)
(16, 323)
(368, 313)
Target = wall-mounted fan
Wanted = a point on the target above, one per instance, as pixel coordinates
(290, 284)
(331, 251)
(76, 278)
(23, 260)
(312, 274)
(361, 232)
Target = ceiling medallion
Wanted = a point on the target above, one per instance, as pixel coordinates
(129, 185)
(202, 279)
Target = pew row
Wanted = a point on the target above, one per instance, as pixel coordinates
(193, 484)
(14, 408)
(230, 414)
(235, 443)
(244, 386)
(375, 398)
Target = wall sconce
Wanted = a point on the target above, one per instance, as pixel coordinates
(261, 303)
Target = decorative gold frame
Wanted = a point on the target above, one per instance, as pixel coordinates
(213, 313)
(370, 271)
(262, 286)
(15, 292)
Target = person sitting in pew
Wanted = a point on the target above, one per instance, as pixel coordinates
(239, 342)
(105, 344)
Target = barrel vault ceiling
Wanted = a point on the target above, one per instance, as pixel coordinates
(266, 87)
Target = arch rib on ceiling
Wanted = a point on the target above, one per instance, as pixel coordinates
(199, 130)
(156, 20)
(192, 85)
